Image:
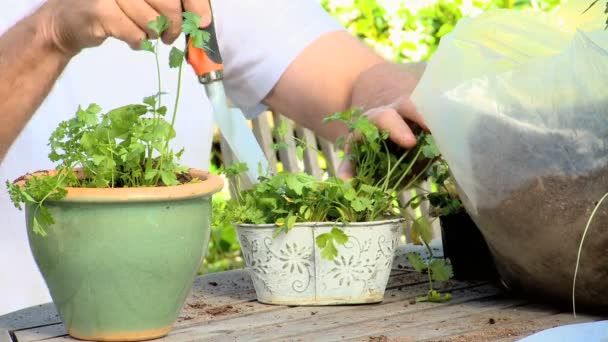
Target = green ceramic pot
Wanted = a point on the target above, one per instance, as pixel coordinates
(119, 263)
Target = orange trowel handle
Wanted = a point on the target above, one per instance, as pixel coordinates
(208, 60)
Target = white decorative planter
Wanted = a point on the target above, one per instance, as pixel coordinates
(289, 270)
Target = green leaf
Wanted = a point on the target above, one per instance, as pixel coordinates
(89, 116)
(159, 25)
(361, 204)
(28, 198)
(279, 146)
(339, 236)
(440, 271)
(98, 159)
(416, 261)
(291, 221)
(150, 174)
(281, 130)
(146, 45)
(429, 149)
(444, 29)
(191, 23)
(350, 194)
(191, 26)
(162, 111)
(323, 239)
(150, 100)
(37, 228)
(45, 216)
(435, 297)
(235, 169)
(329, 252)
(294, 183)
(176, 57)
(300, 153)
(168, 178)
(422, 228)
(199, 38)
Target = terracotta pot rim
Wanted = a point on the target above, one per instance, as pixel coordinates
(326, 224)
(209, 185)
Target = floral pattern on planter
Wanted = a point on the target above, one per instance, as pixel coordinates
(289, 269)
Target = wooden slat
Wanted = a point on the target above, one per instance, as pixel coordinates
(227, 160)
(504, 312)
(5, 336)
(311, 156)
(263, 133)
(287, 154)
(331, 156)
(529, 327)
(217, 296)
(40, 333)
(242, 307)
(300, 323)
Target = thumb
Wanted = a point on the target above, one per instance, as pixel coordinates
(346, 170)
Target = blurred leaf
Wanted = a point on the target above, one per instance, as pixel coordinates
(416, 261)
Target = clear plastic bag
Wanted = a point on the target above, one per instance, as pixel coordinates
(517, 103)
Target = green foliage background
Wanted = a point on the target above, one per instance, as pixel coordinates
(400, 30)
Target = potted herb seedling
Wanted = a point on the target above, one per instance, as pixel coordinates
(307, 241)
(463, 243)
(118, 229)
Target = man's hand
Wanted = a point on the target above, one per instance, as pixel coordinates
(337, 72)
(73, 25)
(384, 93)
(60, 29)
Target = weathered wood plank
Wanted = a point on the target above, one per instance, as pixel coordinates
(243, 301)
(263, 133)
(513, 331)
(311, 156)
(287, 155)
(34, 316)
(475, 319)
(331, 156)
(5, 336)
(293, 322)
(366, 321)
(40, 333)
(221, 297)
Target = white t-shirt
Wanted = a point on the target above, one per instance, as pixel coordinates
(258, 40)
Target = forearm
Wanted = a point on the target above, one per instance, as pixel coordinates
(320, 82)
(29, 65)
(335, 73)
(381, 84)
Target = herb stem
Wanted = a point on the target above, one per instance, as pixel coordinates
(158, 103)
(407, 171)
(173, 117)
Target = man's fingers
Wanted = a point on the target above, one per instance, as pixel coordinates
(346, 170)
(200, 7)
(118, 25)
(140, 13)
(407, 110)
(388, 119)
(173, 11)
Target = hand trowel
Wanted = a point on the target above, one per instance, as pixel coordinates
(209, 68)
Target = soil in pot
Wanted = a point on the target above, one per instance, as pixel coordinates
(534, 231)
(466, 248)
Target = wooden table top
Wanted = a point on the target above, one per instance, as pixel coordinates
(223, 307)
